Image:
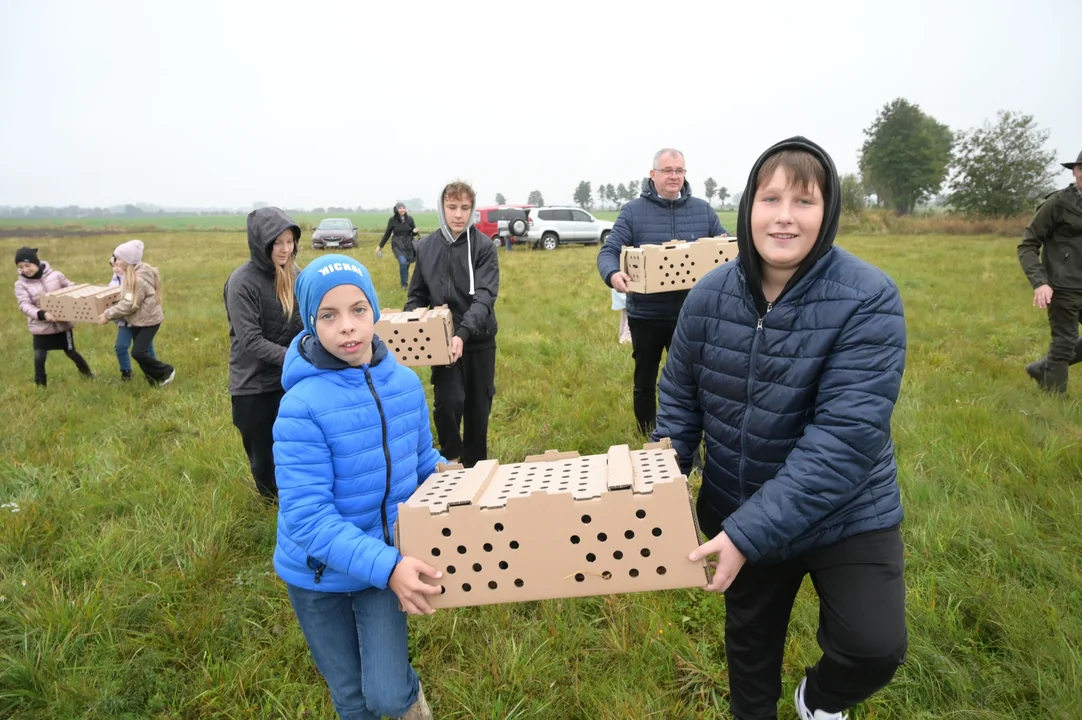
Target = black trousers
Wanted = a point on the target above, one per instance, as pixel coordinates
(254, 416)
(862, 630)
(1064, 313)
(648, 339)
(463, 396)
(155, 370)
(60, 341)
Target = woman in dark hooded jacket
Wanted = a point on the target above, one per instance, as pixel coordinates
(263, 320)
(790, 362)
(402, 227)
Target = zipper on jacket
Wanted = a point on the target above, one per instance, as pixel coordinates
(386, 457)
(747, 409)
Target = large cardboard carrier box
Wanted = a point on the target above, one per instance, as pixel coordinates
(555, 526)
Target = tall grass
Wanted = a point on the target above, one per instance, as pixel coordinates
(136, 574)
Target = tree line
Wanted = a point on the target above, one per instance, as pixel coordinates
(1000, 169)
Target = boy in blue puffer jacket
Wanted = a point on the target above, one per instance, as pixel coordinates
(351, 442)
(790, 362)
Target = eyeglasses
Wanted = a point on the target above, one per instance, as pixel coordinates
(672, 171)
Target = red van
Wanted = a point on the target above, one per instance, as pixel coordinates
(487, 219)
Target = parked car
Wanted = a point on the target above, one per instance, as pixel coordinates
(334, 233)
(554, 226)
(488, 219)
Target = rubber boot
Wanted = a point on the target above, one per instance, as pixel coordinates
(1055, 378)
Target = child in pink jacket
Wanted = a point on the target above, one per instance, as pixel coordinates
(35, 279)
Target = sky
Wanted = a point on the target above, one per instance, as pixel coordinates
(319, 104)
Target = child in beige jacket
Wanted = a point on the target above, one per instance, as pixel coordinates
(140, 306)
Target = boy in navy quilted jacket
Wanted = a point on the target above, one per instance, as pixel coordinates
(790, 363)
(351, 441)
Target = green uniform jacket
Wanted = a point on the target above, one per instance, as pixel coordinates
(1058, 227)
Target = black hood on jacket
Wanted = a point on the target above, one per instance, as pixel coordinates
(832, 211)
(264, 227)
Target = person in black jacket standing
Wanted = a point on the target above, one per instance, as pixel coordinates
(403, 228)
(263, 320)
(457, 267)
(788, 364)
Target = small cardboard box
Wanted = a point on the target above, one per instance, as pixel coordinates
(80, 302)
(418, 337)
(676, 265)
(555, 526)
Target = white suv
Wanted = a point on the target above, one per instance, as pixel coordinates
(554, 226)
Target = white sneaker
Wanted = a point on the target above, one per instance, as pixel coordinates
(419, 710)
(169, 379)
(806, 714)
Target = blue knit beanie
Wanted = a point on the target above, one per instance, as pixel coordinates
(326, 273)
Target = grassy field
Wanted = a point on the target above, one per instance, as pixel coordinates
(136, 578)
(372, 222)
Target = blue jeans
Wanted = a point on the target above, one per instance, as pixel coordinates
(358, 641)
(123, 342)
(403, 269)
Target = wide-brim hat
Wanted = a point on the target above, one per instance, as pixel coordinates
(1070, 166)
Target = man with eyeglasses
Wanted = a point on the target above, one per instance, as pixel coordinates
(665, 211)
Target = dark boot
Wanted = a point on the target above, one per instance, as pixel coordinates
(125, 376)
(1055, 378)
(1036, 369)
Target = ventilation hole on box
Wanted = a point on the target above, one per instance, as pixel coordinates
(590, 557)
(606, 575)
(442, 589)
(451, 570)
(428, 339)
(661, 570)
(435, 552)
(640, 514)
(633, 572)
(514, 544)
(477, 567)
(498, 527)
(466, 587)
(630, 534)
(586, 519)
(487, 547)
(519, 583)
(656, 532)
(395, 332)
(618, 555)
(447, 532)
(491, 584)
(503, 564)
(579, 577)
(575, 539)
(461, 549)
(645, 552)
(602, 537)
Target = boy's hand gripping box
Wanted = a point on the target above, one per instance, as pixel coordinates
(418, 337)
(674, 265)
(555, 526)
(80, 302)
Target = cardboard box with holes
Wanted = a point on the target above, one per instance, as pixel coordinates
(80, 302)
(675, 265)
(555, 526)
(418, 337)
